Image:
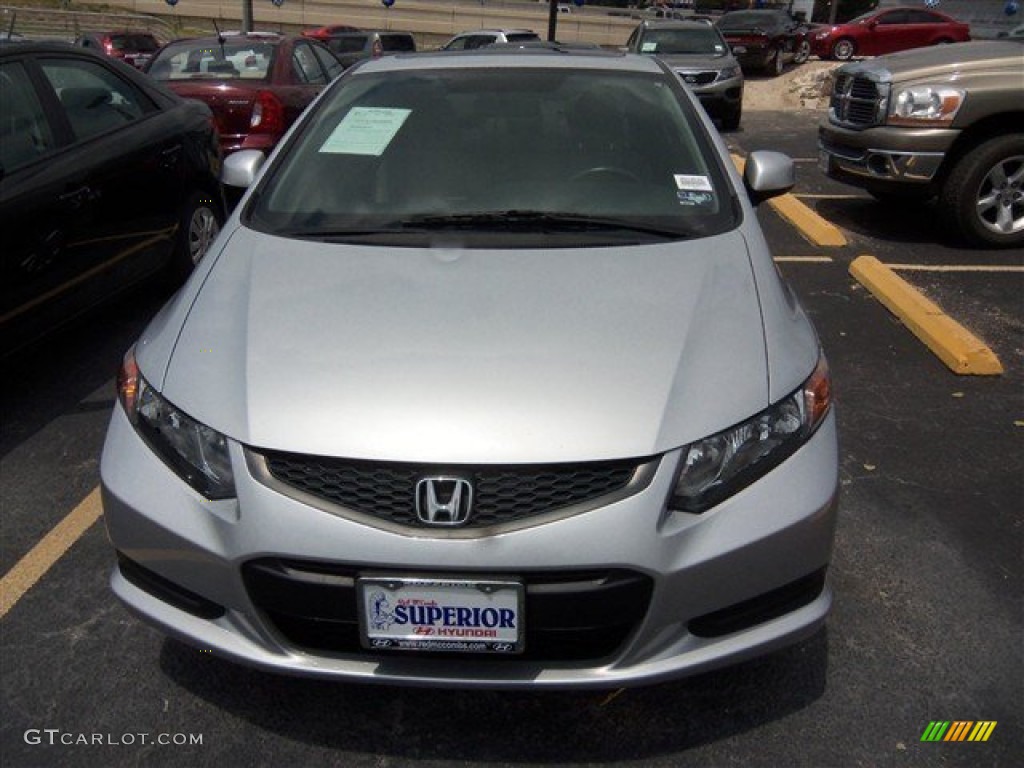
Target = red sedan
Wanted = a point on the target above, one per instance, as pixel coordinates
(894, 29)
(329, 31)
(256, 85)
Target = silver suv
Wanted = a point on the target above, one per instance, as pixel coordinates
(699, 54)
(478, 38)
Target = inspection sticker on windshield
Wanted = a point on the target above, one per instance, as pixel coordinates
(693, 183)
(427, 614)
(365, 131)
(647, 47)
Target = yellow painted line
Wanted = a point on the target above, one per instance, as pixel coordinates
(805, 259)
(812, 226)
(957, 347)
(955, 268)
(34, 565)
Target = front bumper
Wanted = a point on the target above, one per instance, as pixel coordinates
(883, 155)
(741, 579)
(721, 99)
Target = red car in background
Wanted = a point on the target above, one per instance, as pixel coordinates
(887, 31)
(256, 85)
(329, 31)
(765, 39)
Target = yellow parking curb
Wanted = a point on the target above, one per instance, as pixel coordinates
(957, 347)
(812, 226)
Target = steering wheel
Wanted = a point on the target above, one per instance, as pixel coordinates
(611, 171)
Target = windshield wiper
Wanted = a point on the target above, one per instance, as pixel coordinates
(331, 234)
(537, 220)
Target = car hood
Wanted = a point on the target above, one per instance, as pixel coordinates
(696, 61)
(941, 60)
(459, 356)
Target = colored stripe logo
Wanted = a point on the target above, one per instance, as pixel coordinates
(958, 730)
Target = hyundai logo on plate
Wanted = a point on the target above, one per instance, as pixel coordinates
(443, 500)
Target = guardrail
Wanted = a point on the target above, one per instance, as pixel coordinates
(52, 24)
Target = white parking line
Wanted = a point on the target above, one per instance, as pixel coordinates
(805, 259)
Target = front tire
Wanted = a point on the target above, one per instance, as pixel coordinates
(199, 225)
(731, 119)
(843, 49)
(803, 52)
(983, 197)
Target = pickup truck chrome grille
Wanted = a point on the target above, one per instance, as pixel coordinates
(858, 102)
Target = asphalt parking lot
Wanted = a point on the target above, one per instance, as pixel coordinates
(927, 623)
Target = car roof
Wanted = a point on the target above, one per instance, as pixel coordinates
(260, 37)
(498, 31)
(550, 56)
(674, 24)
(25, 45)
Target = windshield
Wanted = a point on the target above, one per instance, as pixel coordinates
(706, 41)
(208, 59)
(749, 20)
(530, 153)
(142, 43)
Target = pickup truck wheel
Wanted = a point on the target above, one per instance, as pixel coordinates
(843, 49)
(983, 197)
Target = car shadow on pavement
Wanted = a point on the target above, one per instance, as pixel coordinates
(510, 726)
(903, 221)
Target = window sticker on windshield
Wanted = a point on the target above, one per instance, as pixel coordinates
(690, 198)
(648, 47)
(693, 183)
(365, 131)
(719, 48)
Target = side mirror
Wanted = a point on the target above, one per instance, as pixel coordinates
(241, 168)
(768, 174)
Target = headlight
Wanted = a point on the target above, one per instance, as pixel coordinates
(196, 453)
(721, 465)
(728, 73)
(925, 104)
(823, 34)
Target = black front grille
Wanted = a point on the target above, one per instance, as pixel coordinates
(699, 78)
(569, 616)
(856, 101)
(501, 494)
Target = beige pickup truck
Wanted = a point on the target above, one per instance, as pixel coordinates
(944, 122)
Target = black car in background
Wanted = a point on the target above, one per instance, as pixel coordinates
(369, 44)
(106, 178)
(134, 47)
(766, 39)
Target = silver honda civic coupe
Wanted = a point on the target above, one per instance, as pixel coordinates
(490, 380)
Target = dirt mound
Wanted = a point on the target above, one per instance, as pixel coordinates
(804, 87)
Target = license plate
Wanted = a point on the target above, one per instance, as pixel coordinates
(739, 49)
(441, 614)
